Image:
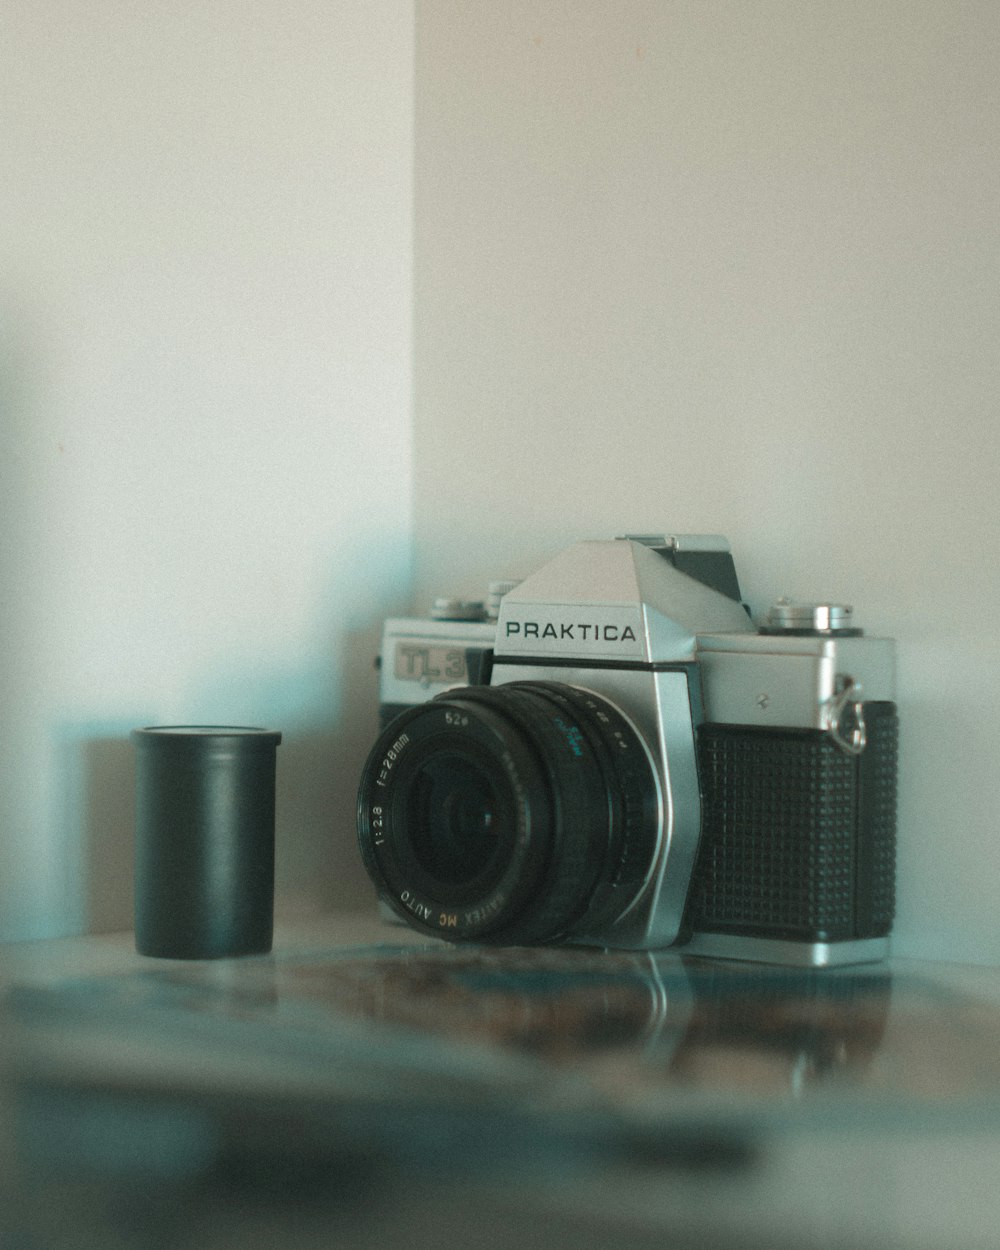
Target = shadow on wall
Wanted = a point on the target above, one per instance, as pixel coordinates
(108, 807)
(96, 807)
(318, 866)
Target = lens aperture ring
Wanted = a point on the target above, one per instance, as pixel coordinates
(632, 792)
(580, 810)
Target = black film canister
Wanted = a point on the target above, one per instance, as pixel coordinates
(204, 840)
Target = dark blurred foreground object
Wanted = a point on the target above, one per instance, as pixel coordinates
(204, 840)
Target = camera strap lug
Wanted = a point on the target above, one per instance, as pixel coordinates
(848, 698)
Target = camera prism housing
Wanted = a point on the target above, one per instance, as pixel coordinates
(622, 759)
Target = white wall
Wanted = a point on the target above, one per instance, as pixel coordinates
(734, 267)
(205, 251)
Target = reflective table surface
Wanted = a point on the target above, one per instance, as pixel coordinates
(362, 1087)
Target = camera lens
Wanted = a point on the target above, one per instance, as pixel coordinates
(520, 813)
(451, 814)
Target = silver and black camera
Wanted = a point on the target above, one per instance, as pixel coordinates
(622, 759)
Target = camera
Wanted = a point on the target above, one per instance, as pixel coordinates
(613, 754)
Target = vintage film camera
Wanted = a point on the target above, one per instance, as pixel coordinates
(622, 759)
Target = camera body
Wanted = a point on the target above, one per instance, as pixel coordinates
(623, 759)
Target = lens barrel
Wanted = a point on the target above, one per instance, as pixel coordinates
(516, 814)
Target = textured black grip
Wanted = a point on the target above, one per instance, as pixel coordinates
(798, 837)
